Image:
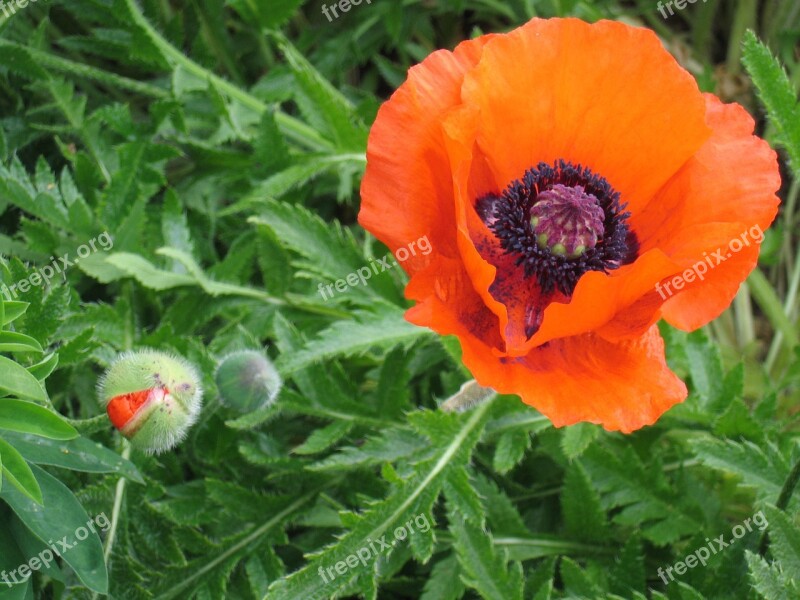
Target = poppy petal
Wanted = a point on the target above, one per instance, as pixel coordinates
(605, 95)
(622, 386)
(711, 188)
(406, 192)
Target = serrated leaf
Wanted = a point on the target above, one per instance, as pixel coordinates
(330, 251)
(462, 497)
(584, 517)
(784, 537)
(326, 107)
(444, 582)
(769, 580)
(777, 93)
(483, 567)
(406, 501)
(577, 438)
(322, 439)
(577, 582)
(764, 471)
(510, 450)
(382, 330)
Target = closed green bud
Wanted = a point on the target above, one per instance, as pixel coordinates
(247, 381)
(153, 398)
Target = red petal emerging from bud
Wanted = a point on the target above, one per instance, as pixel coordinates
(123, 409)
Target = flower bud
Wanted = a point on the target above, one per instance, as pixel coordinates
(247, 381)
(153, 398)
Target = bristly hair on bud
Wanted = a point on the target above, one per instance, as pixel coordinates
(247, 381)
(152, 398)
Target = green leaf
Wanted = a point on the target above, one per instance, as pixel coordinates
(13, 310)
(540, 583)
(763, 470)
(62, 518)
(17, 471)
(11, 558)
(175, 227)
(11, 341)
(577, 582)
(382, 330)
(79, 454)
(154, 278)
(510, 450)
(577, 438)
(269, 16)
(292, 177)
(705, 366)
(777, 93)
(584, 516)
(463, 498)
(415, 495)
(784, 537)
(17, 381)
(444, 582)
(327, 109)
(26, 417)
(769, 580)
(484, 568)
(322, 439)
(628, 575)
(330, 250)
(42, 370)
(392, 444)
(646, 501)
(502, 514)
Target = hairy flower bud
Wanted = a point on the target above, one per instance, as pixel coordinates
(247, 381)
(153, 398)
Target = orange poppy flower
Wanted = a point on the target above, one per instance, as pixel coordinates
(572, 181)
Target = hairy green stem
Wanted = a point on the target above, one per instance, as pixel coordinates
(90, 426)
(119, 494)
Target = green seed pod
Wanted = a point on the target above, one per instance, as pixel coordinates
(153, 398)
(247, 381)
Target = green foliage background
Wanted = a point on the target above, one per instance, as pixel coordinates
(221, 144)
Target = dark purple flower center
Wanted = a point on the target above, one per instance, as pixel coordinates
(560, 221)
(567, 220)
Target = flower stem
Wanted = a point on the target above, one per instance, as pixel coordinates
(116, 511)
(766, 297)
(92, 425)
